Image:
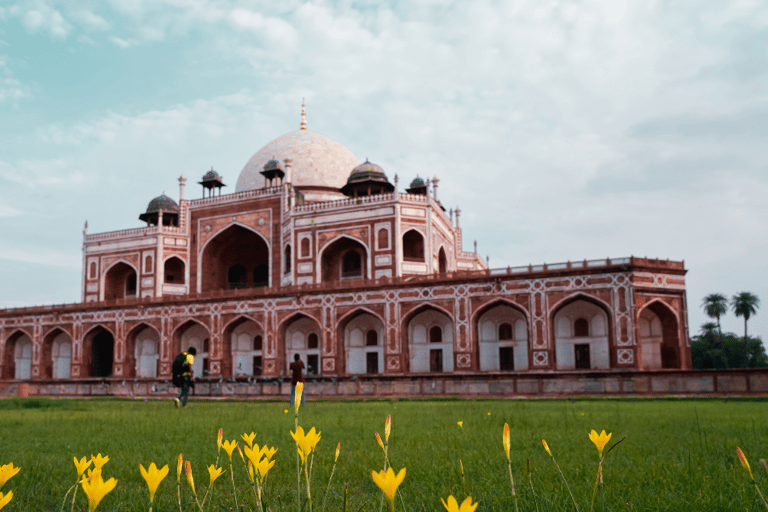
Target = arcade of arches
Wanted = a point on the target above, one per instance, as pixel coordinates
(582, 340)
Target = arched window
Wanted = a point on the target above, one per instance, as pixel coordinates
(92, 270)
(383, 239)
(148, 264)
(257, 343)
(312, 341)
(505, 331)
(174, 271)
(435, 334)
(287, 259)
(580, 327)
(442, 262)
(413, 246)
(305, 247)
(237, 277)
(351, 266)
(371, 339)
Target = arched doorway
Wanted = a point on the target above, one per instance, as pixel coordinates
(193, 334)
(22, 358)
(303, 337)
(235, 258)
(56, 357)
(146, 352)
(344, 259)
(120, 282)
(363, 335)
(413, 246)
(99, 348)
(581, 336)
(430, 342)
(502, 334)
(659, 339)
(246, 339)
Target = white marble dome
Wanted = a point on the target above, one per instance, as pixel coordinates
(318, 161)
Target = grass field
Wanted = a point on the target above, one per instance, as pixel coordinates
(679, 454)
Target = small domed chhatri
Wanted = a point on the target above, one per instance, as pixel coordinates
(367, 179)
(417, 187)
(211, 181)
(164, 204)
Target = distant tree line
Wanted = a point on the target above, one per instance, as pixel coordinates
(711, 348)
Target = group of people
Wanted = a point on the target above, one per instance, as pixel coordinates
(183, 376)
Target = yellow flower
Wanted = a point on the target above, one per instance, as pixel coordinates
(178, 467)
(489, 414)
(305, 443)
(190, 478)
(6, 472)
(99, 461)
(5, 499)
(378, 438)
(388, 482)
(263, 466)
(219, 438)
(96, 488)
(286, 411)
(453, 505)
(546, 447)
(248, 438)
(214, 473)
(744, 462)
(229, 447)
(297, 395)
(153, 477)
(338, 449)
(600, 440)
(387, 427)
(81, 465)
(505, 440)
(460, 424)
(269, 452)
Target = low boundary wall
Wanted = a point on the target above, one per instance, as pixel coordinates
(742, 382)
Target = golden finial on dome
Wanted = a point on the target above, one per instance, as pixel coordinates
(303, 116)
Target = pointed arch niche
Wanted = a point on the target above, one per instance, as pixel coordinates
(193, 334)
(430, 342)
(235, 258)
(246, 339)
(146, 352)
(343, 259)
(363, 336)
(502, 334)
(303, 336)
(120, 282)
(57, 355)
(659, 340)
(581, 336)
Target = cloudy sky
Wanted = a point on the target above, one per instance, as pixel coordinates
(563, 130)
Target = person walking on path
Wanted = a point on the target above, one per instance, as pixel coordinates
(183, 375)
(297, 375)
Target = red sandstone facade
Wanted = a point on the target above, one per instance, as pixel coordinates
(327, 259)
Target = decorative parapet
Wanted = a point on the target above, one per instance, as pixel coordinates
(135, 232)
(237, 196)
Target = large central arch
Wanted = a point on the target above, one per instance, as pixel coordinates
(235, 258)
(659, 340)
(582, 335)
(120, 281)
(343, 259)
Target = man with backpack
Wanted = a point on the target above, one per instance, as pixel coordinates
(182, 375)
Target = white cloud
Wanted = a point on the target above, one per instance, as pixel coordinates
(90, 20)
(44, 17)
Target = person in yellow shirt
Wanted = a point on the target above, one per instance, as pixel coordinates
(183, 375)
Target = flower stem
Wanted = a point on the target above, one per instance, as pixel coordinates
(512, 483)
(298, 464)
(234, 490)
(762, 498)
(333, 469)
(566, 483)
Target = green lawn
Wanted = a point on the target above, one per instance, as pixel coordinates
(678, 455)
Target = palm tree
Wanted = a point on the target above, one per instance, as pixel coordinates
(745, 304)
(715, 305)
